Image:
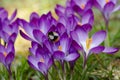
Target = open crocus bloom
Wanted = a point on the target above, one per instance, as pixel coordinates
(40, 59)
(90, 45)
(38, 27)
(107, 7)
(63, 50)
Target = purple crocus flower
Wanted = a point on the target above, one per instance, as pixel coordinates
(69, 20)
(37, 29)
(7, 55)
(9, 31)
(81, 6)
(4, 15)
(90, 45)
(62, 50)
(64, 11)
(87, 18)
(8, 27)
(107, 7)
(40, 58)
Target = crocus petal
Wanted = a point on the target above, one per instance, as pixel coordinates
(28, 29)
(74, 36)
(33, 15)
(116, 9)
(82, 36)
(10, 47)
(5, 36)
(68, 11)
(44, 24)
(3, 14)
(59, 10)
(25, 36)
(87, 27)
(101, 3)
(2, 49)
(33, 62)
(43, 68)
(108, 8)
(9, 58)
(13, 15)
(39, 36)
(78, 10)
(110, 50)
(50, 62)
(65, 42)
(98, 38)
(62, 20)
(76, 45)
(97, 49)
(72, 57)
(13, 37)
(58, 55)
(61, 28)
(97, 5)
(87, 16)
(2, 58)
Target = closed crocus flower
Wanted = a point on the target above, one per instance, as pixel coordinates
(8, 26)
(38, 27)
(87, 18)
(40, 59)
(90, 45)
(9, 32)
(81, 6)
(107, 7)
(62, 51)
(4, 15)
(7, 54)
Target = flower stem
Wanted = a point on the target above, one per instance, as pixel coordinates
(71, 75)
(10, 75)
(84, 72)
(84, 60)
(107, 40)
(64, 71)
(59, 74)
(46, 77)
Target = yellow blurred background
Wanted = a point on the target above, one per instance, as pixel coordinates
(24, 9)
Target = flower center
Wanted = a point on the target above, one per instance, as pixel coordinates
(60, 48)
(5, 54)
(88, 43)
(107, 1)
(42, 60)
(79, 23)
(82, 6)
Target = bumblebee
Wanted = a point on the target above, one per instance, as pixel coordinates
(53, 36)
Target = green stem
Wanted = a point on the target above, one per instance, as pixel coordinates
(71, 74)
(64, 71)
(107, 40)
(59, 74)
(84, 72)
(10, 75)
